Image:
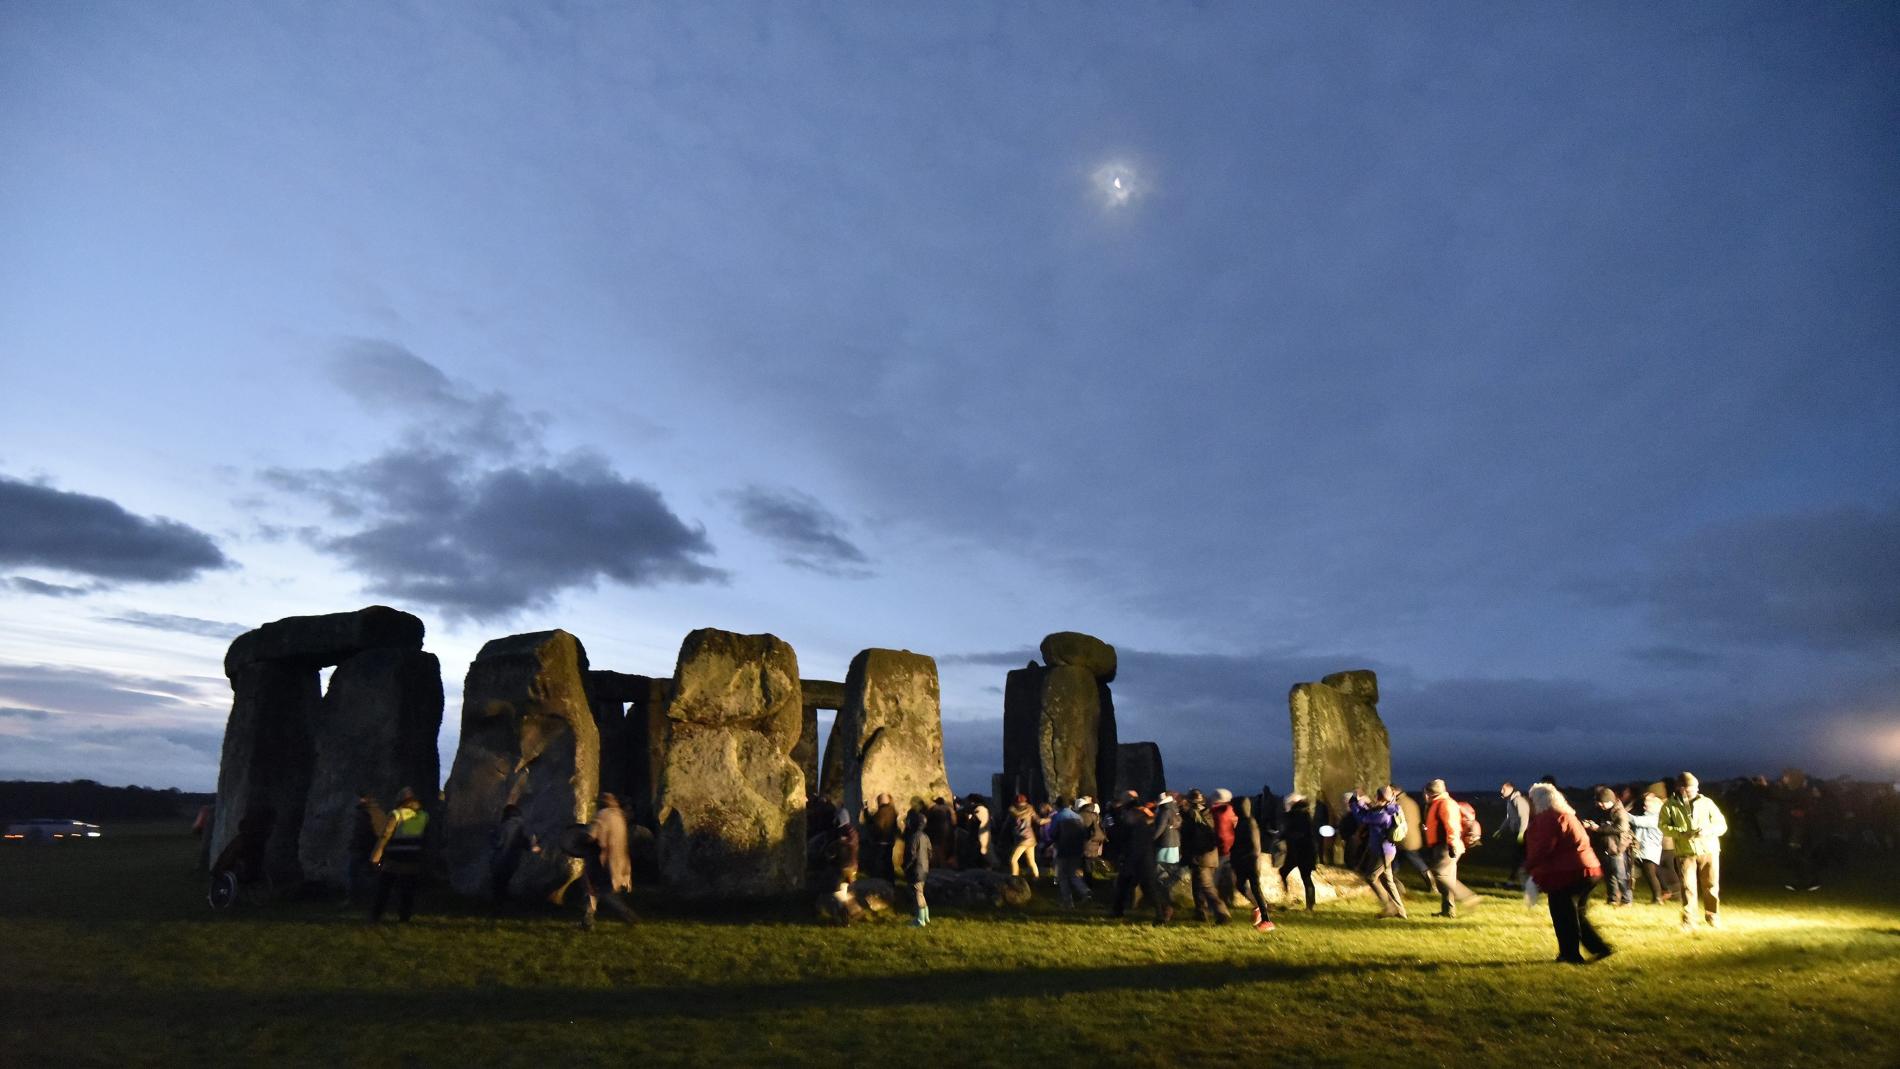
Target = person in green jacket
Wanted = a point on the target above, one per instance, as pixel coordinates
(398, 855)
(1695, 827)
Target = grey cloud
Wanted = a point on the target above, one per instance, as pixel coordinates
(1014, 659)
(188, 625)
(486, 543)
(90, 535)
(50, 590)
(14, 712)
(91, 691)
(470, 517)
(384, 376)
(1675, 658)
(807, 534)
(1827, 579)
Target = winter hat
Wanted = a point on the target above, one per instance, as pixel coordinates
(1222, 796)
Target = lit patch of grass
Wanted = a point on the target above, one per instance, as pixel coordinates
(111, 956)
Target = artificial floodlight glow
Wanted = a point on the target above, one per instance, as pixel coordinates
(1326, 831)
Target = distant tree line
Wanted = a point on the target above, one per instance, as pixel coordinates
(94, 802)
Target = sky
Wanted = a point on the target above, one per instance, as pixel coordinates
(1544, 359)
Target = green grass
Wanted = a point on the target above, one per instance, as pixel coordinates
(110, 957)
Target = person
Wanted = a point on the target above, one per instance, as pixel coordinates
(1377, 816)
(1444, 839)
(1558, 858)
(607, 869)
(511, 842)
(1046, 838)
(366, 828)
(1647, 850)
(1095, 838)
(1411, 848)
(398, 853)
(980, 823)
(1244, 859)
(881, 830)
(1070, 837)
(1611, 838)
(940, 823)
(842, 851)
(1695, 825)
(1302, 846)
(1200, 847)
(917, 861)
(1167, 832)
(1139, 868)
(1517, 816)
(1326, 834)
(1023, 826)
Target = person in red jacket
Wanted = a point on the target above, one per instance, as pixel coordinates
(1558, 856)
(1445, 844)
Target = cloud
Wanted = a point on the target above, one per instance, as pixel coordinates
(1674, 658)
(807, 534)
(496, 527)
(1827, 579)
(386, 377)
(14, 712)
(90, 535)
(188, 625)
(51, 590)
(94, 692)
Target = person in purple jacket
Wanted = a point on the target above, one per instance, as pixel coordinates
(1377, 816)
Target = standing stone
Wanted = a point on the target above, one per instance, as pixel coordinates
(1022, 732)
(267, 758)
(321, 641)
(374, 732)
(1138, 768)
(528, 737)
(1107, 745)
(1339, 742)
(1361, 685)
(1070, 730)
(826, 780)
(732, 800)
(890, 730)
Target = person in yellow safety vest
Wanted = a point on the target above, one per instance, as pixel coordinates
(398, 855)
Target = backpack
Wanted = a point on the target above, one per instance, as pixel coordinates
(1473, 832)
(1197, 833)
(1399, 828)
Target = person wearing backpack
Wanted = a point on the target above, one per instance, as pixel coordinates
(1200, 846)
(1447, 835)
(1378, 817)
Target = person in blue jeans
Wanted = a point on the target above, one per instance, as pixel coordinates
(1611, 836)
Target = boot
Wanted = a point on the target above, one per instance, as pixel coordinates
(922, 919)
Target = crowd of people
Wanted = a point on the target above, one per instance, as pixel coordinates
(1137, 850)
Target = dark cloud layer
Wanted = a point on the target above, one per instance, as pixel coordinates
(89, 535)
(807, 534)
(24, 585)
(497, 526)
(187, 625)
(92, 691)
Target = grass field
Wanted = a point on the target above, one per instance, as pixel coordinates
(109, 956)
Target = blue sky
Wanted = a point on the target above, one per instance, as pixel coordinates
(1542, 359)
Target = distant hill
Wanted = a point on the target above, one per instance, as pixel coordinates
(84, 799)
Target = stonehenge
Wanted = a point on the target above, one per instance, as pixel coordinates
(1339, 742)
(305, 755)
(716, 760)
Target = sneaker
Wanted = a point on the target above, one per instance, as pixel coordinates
(1265, 926)
(1688, 926)
(1715, 920)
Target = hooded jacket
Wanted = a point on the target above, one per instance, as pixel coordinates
(1246, 833)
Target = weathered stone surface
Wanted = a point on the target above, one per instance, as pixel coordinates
(1052, 730)
(890, 730)
(1022, 733)
(1107, 744)
(1331, 883)
(819, 694)
(528, 737)
(1070, 730)
(267, 758)
(1138, 768)
(1339, 743)
(620, 702)
(822, 693)
(1066, 648)
(731, 799)
(1360, 684)
(374, 732)
(321, 641)
(805, 754)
